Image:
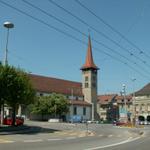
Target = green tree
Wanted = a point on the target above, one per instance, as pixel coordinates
(54, 104)
(15, 88)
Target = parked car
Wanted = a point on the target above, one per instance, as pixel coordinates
(9, 120)
(93, 121)
(141, 122)
(75, 119)
(148, 122)
(120, 123)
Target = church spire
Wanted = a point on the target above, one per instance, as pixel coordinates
(89, 63)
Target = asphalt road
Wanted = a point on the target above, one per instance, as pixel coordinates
(48, 136)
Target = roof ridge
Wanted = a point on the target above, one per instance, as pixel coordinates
(54, 78)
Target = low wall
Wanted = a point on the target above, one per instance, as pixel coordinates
(40, 117)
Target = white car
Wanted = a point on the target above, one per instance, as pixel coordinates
(141, 122)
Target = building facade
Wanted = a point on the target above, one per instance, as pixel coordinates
(141, 104)
(113, 107)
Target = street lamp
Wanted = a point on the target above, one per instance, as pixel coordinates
(7, 25)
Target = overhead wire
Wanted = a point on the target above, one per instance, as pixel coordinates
(113, 29)
(69, 35)
(48, 25)
(77, 30)
(99, 32)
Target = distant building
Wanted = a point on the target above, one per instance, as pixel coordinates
(141, 104)
(112, 107)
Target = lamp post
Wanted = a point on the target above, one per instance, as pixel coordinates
(7, 25)
(92, 111)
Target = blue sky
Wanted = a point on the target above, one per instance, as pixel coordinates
(39, 49)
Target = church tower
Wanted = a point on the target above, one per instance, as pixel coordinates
(89, 81)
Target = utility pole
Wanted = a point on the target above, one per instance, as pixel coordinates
(7, 25)
(72, 103)
(125, 103)
(133, 102)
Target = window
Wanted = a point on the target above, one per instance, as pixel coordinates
(94, 78)
(86, 85)
(75, 111)
(94, 85)
(41, 94)
(84, 111)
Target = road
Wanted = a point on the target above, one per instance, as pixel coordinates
(75, 137)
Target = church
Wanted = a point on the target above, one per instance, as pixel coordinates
(82, 96)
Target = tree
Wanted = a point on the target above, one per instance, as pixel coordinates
(15, 87)
(54, 104)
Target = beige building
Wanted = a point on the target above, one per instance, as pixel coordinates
(141, 104)
(137, 106)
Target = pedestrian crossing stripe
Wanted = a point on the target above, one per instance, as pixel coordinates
(6, 141)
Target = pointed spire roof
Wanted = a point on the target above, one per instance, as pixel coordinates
(89, 63)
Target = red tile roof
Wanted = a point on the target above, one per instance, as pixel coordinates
(89, 63)
(105, 99)
(120, 98)
(48, 85)
(79, 102)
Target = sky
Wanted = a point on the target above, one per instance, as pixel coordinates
(48, 41)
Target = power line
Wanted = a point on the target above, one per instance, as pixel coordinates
(48, 25)
(77, 30)
(73, 28)
(69, 35)
(113, 29)
(99, 32)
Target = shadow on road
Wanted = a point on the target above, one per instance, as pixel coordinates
(25, 129)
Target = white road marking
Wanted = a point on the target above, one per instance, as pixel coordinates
(115, 144)
(69, 138)
(110, 135)
(54, 139)
(32, 141)
(6, 141)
